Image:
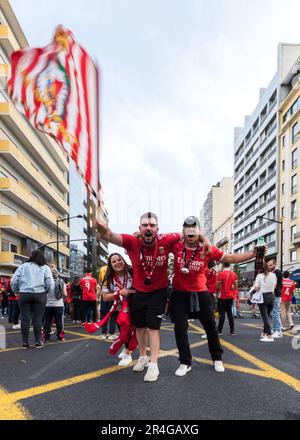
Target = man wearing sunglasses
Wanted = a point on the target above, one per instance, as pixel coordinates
(190, 298)
(149, 257)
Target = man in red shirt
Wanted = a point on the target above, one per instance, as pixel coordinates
(89, 299)
(149, 257)
(288, 287)
(190, 293)
(227, 283)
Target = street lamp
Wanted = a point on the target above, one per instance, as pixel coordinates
(57, 241)
(281, 234)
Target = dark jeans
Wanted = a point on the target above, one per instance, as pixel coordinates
(180, 311)
(56, 313)
(76, 312)
(265, 310)
(90, 310)
(10, 311)
(16, 312)
(225, 306)
(32, 306)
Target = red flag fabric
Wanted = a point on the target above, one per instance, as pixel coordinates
(57, 89)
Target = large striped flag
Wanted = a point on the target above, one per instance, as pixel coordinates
(57, 89)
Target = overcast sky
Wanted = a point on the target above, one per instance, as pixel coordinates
(177, 76)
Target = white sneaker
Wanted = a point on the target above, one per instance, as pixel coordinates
(125, 361)
(16, 327)
(267, 339)
(182, 370)
(219, 367)
(123, 353)
(204, 336)
(112, 337)
(103, 336)
(277, 335)
(141, 364)
(152, 373)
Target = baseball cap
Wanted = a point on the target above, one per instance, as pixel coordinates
(191, 222)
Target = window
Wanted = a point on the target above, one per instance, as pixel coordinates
(294, 210)
(282, 188)
(283, 141)
(293, 232)
(49, 234)
(295, 158)
(13, 248)
(293, 255)
(7, 210)
(4, 246)
(295, 133)
(283, 165)
(294, 184)
(35, 226)
(282, 212)
(271, 213)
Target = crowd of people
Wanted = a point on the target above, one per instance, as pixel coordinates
(130, 301)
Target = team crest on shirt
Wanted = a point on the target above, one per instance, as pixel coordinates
(161, 250)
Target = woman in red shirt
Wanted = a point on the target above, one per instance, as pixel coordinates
(288, 287)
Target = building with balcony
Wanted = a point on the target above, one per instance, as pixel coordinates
(33, 172)
(256, 163)
(289, 117)
(217, 208)
(86, 251)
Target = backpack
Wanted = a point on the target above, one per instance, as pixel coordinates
(59, 288)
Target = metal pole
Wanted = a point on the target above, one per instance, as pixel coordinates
(281, 246)
(89, 268)
(57, 245)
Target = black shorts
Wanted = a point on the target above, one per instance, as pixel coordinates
(147, 308)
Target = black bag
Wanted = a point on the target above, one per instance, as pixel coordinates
(59, 288)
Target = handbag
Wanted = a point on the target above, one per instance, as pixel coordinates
(257, 298)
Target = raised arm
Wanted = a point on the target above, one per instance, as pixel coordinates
(238, 257)
(106, 233)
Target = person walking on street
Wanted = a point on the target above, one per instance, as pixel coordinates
(288, 288)
(76, 300)
(227, 284)
(89, 297)
(32, 281)
(277, 327)
(55, 307)
(190, 297)
(265, 283)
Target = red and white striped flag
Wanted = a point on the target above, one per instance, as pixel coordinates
(57, 89)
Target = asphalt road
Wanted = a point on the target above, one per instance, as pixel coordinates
(78, 379)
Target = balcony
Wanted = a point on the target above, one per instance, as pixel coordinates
(22, 227)
(16, 158)
(222, 242)
(37, 145)
(296, 239)
(3, 75)
(8, 40)
(19, 193)
(272, 105)
(11, 260)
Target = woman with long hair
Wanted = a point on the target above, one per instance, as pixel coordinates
(32, 281)
(266, 282)
(117, 283)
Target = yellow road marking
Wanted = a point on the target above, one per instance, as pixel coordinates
(267, 369)
(48, 344)
(10, 410)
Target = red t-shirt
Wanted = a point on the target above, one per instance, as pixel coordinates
(288, 287)
(88, 285)
(228, 277)
(159, 279)
(211, 280)
(195, 280)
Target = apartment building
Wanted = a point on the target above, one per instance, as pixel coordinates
(256, 164)
(86, 251)
(223, 235)
(289, 114)
(217, 208)
(34, 184)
